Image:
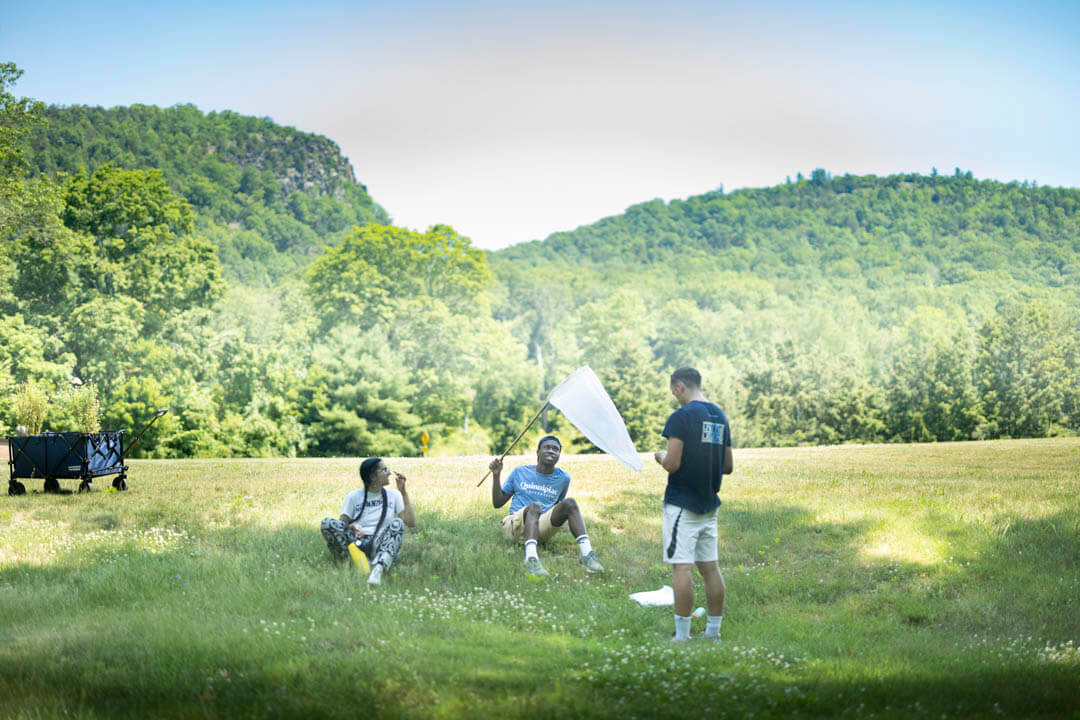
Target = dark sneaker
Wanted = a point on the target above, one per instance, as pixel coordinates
(591, 563)
(534, 570)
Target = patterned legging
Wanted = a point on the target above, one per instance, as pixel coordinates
(386, 546)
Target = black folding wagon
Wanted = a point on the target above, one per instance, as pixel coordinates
(72, 455)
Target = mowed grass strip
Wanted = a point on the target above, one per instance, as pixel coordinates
(886, 581)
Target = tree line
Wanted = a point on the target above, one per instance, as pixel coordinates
(266, 299)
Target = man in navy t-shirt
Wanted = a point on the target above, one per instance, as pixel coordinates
(540, 506)
(698, 455)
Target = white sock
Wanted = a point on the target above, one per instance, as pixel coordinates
(530, 550)
(584, 545)
(712, 625)
(682, 627)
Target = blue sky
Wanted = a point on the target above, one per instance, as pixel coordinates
(510, 121)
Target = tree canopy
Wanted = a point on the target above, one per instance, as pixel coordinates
(235, 271)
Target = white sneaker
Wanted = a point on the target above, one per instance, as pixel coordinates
(590, 562)
(375, 577)
(534, 570)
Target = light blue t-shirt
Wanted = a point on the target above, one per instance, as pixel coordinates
(528, 486)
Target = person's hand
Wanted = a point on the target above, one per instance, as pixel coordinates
(660, 456)
(400, 480)
(357, 530)
(495, 465)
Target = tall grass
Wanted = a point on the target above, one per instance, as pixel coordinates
(886, 581)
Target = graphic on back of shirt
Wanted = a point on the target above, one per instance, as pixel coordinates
(712, 433)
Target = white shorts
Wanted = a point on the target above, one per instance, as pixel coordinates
(689, 537)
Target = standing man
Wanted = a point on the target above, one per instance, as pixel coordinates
(698, 454)
(540, 506)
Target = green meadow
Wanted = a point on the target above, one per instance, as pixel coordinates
(885, 581)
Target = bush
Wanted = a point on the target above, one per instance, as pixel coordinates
(31, 406)
(84, 408)
(457, 441)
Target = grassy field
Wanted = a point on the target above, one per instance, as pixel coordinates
(921, 581)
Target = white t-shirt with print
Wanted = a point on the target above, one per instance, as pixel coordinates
(371, 504)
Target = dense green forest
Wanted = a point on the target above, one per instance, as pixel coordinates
(236, 271)
(269, 197)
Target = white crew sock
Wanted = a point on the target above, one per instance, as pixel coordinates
(682, 627)
(530, 550)
(712, 625)
(584, 545)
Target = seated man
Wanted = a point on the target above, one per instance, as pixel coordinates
(540, 506)
(372, 522)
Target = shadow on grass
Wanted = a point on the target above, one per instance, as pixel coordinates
(249, 621)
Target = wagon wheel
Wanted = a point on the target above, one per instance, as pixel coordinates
(85, 486)
(52, 485)
(120, 482)
(16, 488)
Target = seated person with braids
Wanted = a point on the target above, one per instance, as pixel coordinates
(372, 521)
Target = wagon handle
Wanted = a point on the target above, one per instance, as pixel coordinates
(134, 442)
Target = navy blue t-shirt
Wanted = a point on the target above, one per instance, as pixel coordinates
(704, 431)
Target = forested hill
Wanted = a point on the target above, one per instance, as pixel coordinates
(914, 307)
(852, 230)
(235, 271)
(270, 197)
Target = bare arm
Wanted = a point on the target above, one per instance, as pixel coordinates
(670, 459)
(353, 526)
(729, 460)
(498, 497)
(408, 515)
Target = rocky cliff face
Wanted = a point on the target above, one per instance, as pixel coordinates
(183, 141)
(321, 169)
(298, 161)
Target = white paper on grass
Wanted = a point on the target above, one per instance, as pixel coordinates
(582, 399)
(663, 596)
